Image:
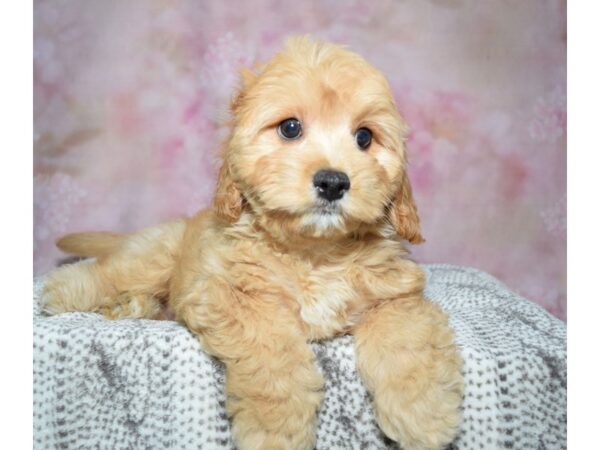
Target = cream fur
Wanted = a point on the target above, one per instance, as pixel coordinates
(266, 269)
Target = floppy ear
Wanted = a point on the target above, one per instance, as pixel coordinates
(403, 213)
(228, 199)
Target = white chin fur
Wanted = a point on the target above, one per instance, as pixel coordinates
(322, 222)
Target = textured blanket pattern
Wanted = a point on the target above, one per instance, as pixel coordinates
(140, 384)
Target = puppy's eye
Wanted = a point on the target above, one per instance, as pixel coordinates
(290, 129)
(363, 138)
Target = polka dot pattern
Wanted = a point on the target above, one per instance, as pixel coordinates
(140, 384)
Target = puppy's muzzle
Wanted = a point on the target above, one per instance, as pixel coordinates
(331, 185)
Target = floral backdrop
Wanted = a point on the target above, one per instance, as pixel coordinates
(130, 98)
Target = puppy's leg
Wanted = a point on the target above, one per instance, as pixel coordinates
(407, 358)
(126, 283)
(273, 388)
(77, 287)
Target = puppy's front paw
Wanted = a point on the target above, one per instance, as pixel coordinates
(418, 397)
(422, 416)
(274, 411)
(268, 424)
(408, 359)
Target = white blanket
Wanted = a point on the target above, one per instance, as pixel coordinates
(141, 384)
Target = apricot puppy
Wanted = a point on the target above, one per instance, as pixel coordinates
(303, 242)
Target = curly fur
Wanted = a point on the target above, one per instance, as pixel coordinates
(269, 268)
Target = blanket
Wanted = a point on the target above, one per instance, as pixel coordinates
(142, 384)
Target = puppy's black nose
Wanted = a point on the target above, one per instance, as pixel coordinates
(331, 185)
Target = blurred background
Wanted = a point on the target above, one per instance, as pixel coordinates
(130, 100)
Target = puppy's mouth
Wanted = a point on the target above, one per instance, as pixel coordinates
(326, 208)
(324, 218)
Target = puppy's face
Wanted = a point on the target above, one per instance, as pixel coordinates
(317, 146)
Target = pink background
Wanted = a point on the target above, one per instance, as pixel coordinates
(130, 96)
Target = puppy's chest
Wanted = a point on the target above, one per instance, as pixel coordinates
(327, 300)
(329, 293)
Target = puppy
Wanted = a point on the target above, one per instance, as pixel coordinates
(303, 242)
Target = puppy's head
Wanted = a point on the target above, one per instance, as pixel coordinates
(317, 147)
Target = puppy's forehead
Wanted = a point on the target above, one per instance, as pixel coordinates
(332, 81)
(329, 82)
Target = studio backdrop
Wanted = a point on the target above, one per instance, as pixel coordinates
(131, 102)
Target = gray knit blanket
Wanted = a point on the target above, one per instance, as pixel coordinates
(142, 384)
